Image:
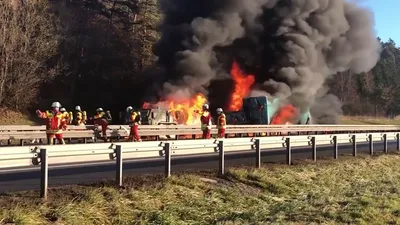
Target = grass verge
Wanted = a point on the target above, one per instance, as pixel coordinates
(10, 117)
(366, 120)
(357, 191)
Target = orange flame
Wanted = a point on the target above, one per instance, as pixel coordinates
(243, 84)
(182, 110)
(285, 115)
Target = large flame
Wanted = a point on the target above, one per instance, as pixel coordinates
(182, 109)
(285, 115)
(243, 84)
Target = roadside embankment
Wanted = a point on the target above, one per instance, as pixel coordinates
(352, 190)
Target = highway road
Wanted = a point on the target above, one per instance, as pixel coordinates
(22, 179)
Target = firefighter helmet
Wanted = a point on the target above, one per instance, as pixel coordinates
(55, 105)
(219, 111)
(205, 106)
(129, 108)
(99, 110)
(78, 108)
(63, 110)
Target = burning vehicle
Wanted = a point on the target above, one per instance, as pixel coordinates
(260, 110)
(276, 54)
(156, 116)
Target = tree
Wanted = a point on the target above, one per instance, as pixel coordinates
(28, 41)
(105, 47)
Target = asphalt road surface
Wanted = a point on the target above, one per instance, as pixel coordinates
(28, 178)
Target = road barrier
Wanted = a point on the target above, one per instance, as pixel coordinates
(17, 157)
(173, 131)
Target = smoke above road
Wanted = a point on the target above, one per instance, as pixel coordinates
(291, 47)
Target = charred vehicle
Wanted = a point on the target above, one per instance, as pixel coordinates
(154, 116)
(261, 110)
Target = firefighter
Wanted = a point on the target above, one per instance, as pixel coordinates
(128, 115)
(55, 123)
(221, 123)
(80, 117)
(134, 124)
(66, 116)
(205, 120)
(71, 117)
(102, 119)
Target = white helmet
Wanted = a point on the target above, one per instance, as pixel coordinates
(205, 106)
(55, 105)
(78, 108)
(63, 110)
(99, 110)
(219, 110)
(129, 108)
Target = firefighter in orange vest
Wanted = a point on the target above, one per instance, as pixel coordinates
(55, 123)
(205, 120)
(134, 122)
(80, 117)
(102, 119)
(221, 123)
(66, 116)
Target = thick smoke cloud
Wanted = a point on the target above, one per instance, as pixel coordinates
(293, 47)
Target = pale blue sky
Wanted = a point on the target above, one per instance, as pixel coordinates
(387, 18)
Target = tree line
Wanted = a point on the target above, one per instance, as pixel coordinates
(84, 52)
(375, 93)
(93, 53)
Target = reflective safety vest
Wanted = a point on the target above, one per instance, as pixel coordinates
(55, 121)
(79, 120)
(106, 116)
(135, 118)
(205, 120)
(65, 117)
(221, 122)
(70, 118)
(100, 115)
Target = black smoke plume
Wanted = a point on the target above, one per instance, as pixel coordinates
(292, 47)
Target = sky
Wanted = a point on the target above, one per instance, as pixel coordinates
(387, 18)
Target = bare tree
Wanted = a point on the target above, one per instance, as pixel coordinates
(28, 39)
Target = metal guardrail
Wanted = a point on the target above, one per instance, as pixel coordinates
(52, 155)
(121, 131)
(195, 127)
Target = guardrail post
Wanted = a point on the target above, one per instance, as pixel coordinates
(385, 145)
(398, 141)
(167, 149)
(371, 144)
(354, 140)
(44, 173)
(258, 153)
(221, 157)
(119, 158)
(335, 147)
(288, 151)
(314, 148)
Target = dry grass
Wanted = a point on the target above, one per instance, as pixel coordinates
(351, 191)
(367, 120)
(10, 117)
